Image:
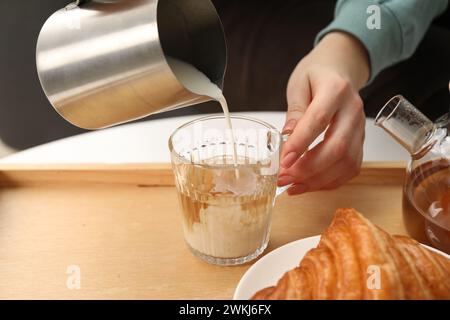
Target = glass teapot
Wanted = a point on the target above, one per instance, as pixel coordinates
(426, 191)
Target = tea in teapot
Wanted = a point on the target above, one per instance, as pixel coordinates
(426, 191)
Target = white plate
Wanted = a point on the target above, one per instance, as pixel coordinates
(269, 269)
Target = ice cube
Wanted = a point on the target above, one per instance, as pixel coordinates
(226, 181)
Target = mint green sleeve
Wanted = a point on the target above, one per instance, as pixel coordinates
(402, 25)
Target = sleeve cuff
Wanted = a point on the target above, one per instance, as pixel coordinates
(382, 47)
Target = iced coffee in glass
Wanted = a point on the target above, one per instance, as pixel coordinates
(226, 182)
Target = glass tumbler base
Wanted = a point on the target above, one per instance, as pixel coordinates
(229, 261)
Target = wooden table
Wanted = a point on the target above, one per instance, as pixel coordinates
(120, 224)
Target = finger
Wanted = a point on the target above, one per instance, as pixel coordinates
(317, 182)
(298, 98)
(337, 174)
(313, 169)
(315, 120)
(346, 140)
(334, 177)
(297, 189)
(342, 180)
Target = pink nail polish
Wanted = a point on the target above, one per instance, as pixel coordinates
(289, 126)
(297, 189)
(285, 180)
(289, 159)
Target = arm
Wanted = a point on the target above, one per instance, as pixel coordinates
(403, 24)
(322, 92)
(323, 95)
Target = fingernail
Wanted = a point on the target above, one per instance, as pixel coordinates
(297, 189)
(289, 159)
(289, 126)
(284, 180)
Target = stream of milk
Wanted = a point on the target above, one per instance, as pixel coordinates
(197, 82)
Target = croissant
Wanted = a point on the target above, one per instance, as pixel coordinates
(357, 260)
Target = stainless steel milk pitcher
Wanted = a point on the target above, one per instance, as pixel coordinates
(102, 63)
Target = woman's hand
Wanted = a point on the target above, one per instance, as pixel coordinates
(323, 96)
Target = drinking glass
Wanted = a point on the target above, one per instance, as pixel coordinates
(226, 183)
